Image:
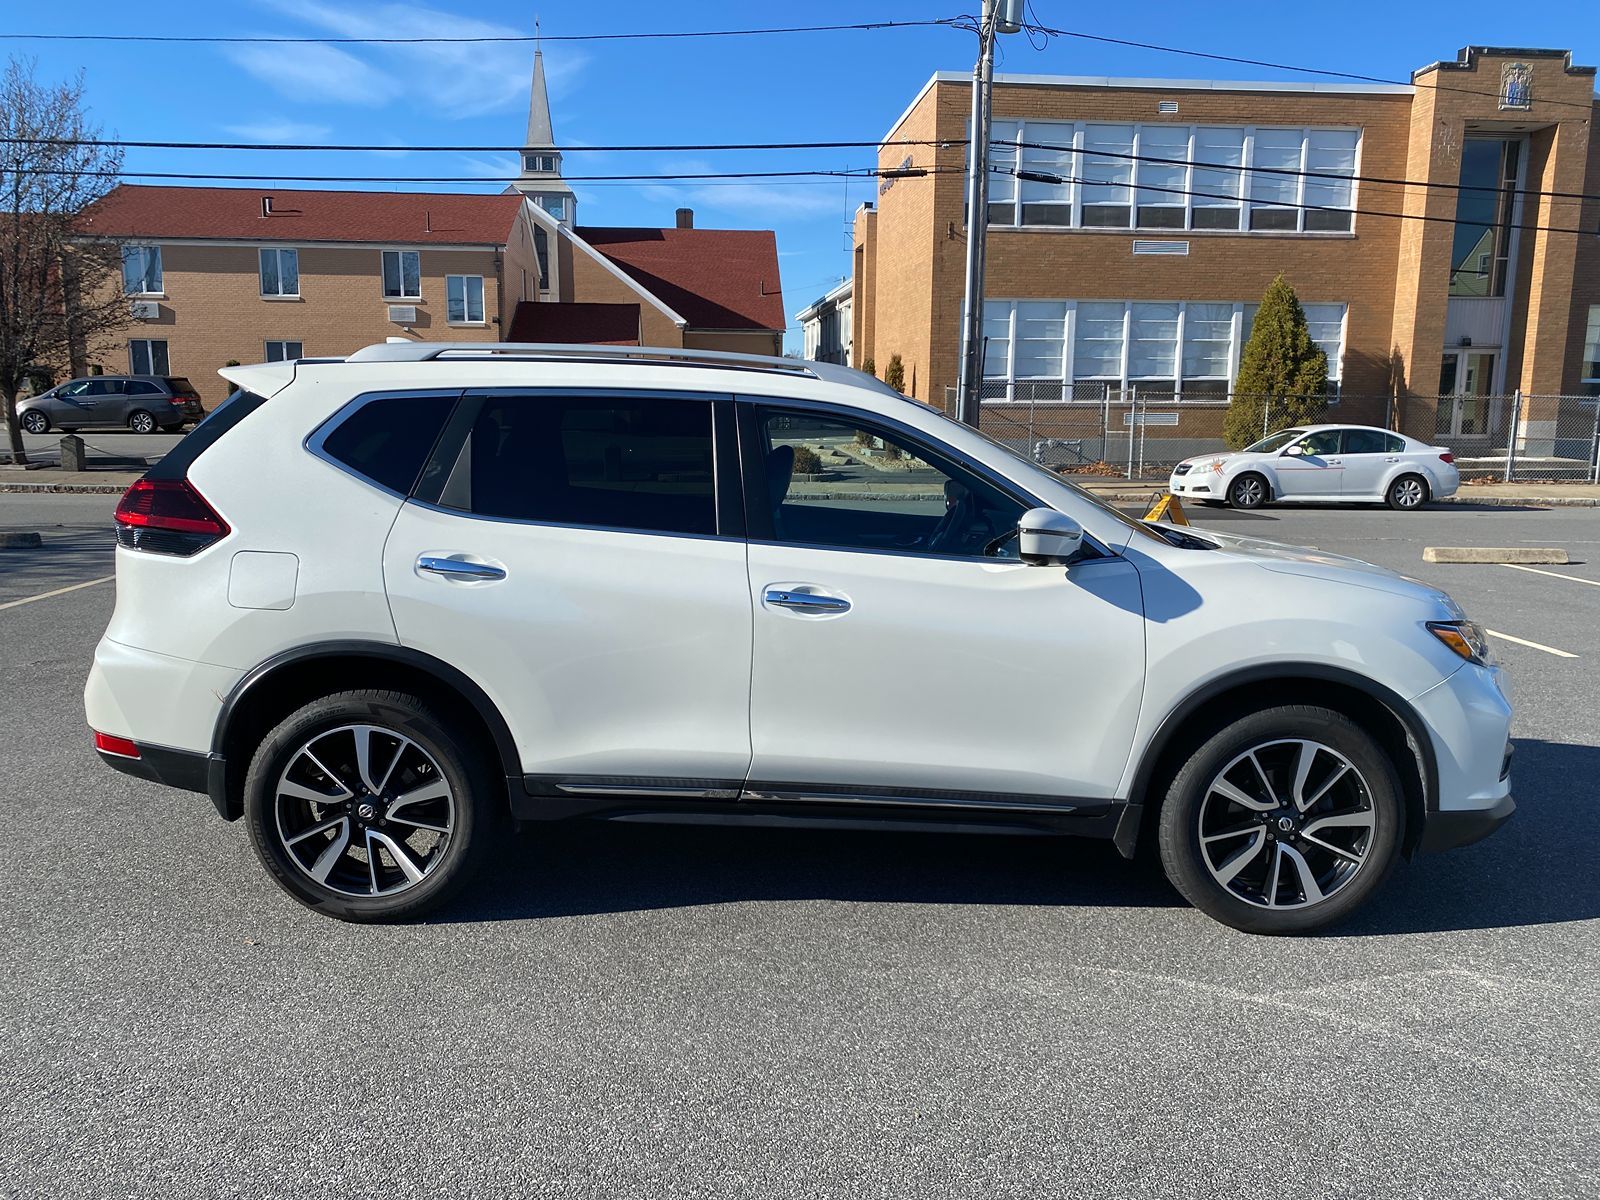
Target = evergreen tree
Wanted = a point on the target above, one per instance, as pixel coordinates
(895, 373)
(1280, 366)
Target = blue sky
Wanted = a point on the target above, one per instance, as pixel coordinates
(807, 87)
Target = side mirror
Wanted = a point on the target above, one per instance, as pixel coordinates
(1297, 450)
(1047, 537)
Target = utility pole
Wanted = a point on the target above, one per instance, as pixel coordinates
(999, 16)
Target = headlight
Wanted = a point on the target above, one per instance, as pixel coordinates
(1466, 638)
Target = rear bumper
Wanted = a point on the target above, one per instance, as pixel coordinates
(1461, 827)
(188, 770)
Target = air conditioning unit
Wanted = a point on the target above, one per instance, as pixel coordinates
(403, 314)
(144, 310)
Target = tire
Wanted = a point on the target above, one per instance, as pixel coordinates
(141, 422)
(1266, 886)
(34, 421)
(412, 748)
(1407, 492)
(1250, 490)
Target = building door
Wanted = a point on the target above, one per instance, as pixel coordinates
(1467, 406)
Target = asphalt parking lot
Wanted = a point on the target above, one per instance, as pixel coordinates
(643, 1011)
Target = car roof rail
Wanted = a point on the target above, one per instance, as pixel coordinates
(405, 351)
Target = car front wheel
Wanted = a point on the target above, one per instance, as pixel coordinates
(34, 421)
(1285, 821)
(1248, 491)
(371, 806)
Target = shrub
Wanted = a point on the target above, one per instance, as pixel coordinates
(807, 461)
(870, 367)
(1281, 365)
(895, 374)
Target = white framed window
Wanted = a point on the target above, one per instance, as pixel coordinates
(402, 275)
(148, 356)
(280, 271)
(284, 351)
(463, 298)
(1035, 349)
(141, 271)
(1260, 179)
(1591, 347)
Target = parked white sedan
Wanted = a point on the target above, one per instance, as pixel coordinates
(1355, 463)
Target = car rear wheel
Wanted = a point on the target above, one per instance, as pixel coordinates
(1407, 492)
(141, 422)
(34, 421)
(371, 806)
(1285, 821)
(1248, 491)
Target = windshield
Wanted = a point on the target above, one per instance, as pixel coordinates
(1276, 442)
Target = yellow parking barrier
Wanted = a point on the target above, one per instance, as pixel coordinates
(1166, 505)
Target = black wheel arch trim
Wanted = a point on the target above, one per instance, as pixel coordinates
(231, 807)
(1172, 725)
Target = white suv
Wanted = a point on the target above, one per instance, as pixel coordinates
(383, 605)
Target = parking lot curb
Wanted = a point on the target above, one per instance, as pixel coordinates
(96, 489)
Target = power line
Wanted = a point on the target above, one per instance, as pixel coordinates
(391, 148)
(654, 177)
(1278, 66)
(499, 39)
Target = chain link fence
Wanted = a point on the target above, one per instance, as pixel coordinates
(1099, 429)
(1515, 438)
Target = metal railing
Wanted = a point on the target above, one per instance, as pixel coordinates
(1519, 437)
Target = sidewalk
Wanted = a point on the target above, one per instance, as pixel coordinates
(1116, 491)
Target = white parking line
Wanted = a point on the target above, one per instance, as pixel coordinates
(1506, 637)
(58, 592)
(1553, 574)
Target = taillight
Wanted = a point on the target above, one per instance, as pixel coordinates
(167, 516)
(1447, 457)
(120, 746)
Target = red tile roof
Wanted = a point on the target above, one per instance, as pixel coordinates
(587, 322)
(713, 278)
(403, 218)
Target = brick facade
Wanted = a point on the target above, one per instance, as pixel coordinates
(1392, 274)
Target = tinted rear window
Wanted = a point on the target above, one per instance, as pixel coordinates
(641, 463)
(182, 387)
(388, 438)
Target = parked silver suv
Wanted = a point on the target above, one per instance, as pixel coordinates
(142, 403)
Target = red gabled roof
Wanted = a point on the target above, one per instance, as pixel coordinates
(712, 278)
(587, 322)
(405, 218)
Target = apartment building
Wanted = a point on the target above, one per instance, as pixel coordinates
(219, 275)
(826, 326)
(1436, 233)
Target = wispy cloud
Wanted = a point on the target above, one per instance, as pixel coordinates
(755, 200)
(457, 80)
(317, 73)
(278, 130)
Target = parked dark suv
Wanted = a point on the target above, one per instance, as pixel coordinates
(142, 403)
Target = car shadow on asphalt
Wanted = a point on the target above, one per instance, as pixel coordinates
(1536, 870)
(581, 868)
(70, 554)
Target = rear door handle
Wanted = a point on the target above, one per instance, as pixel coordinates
(459, 568)
(805, 601)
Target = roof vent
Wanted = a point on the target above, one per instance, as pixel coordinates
(1166, 106)
(266, 206)
(686, 218)
(1143, 246)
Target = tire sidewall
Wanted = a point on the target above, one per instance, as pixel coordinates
(134, 421)
(1393, 496)
(35, 422)
(1180, 832)
(469, 781)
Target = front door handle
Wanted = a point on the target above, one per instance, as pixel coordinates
(806, 601)
(459, 568)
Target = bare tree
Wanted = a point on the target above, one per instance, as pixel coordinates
(58, 292)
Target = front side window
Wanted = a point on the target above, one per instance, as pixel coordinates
(642, 464)
(879, 490)
(284, 351)
(463, 299)
(280, 271)
(141, 270)
(148, 356)
(1323, 442)
(1275, 442)
(402, 275)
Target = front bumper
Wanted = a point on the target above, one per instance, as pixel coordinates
(1468, 718)
(1445, 830)
(1196, 483)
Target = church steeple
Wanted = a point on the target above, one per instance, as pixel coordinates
(540, 177)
